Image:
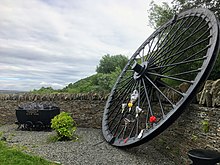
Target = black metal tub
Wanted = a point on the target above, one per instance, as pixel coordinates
(36, 115)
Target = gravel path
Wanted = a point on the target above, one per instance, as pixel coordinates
(90, 149)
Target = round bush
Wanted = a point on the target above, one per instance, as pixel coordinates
(64, 125)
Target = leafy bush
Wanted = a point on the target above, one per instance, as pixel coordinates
(205, 126)
(88, 84)
(44, 90)
(64, 125)
(109, 63)
(100, 82)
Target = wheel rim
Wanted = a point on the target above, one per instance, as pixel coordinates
(144, 100)
(39, 125)
(28, 125)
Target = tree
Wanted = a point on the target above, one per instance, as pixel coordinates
(213, 5)
(109, 63)
(159, 14)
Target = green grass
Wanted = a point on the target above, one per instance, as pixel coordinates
(13, 156)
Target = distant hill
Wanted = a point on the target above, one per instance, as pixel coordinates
(10, 92)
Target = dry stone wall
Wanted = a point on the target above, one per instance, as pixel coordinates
(210, 95)
(86, 109)
(197, 127)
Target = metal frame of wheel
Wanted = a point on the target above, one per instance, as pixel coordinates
(139, 106)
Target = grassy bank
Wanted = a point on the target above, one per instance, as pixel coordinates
(13, 156)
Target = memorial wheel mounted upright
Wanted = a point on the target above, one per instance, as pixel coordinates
(145, 99)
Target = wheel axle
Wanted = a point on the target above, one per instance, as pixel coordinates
(140, 70)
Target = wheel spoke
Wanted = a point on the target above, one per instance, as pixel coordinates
(155, 86)
(149, 48)
(120, 90)
(169, 87)
(148, 56)
(178, 45)
(184, 50)
(187, 72)
(178, 63)
(188, 58)
(160, 103)
(128, 78)
(139, 91)
(147, 96)
(194, 44)
(169, 77)
(116, 125)
(119, 105)
(132, 130)
(177, 38)
(119, 102)
(142, 58)
(166, 39)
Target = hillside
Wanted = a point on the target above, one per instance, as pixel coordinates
(10, 92)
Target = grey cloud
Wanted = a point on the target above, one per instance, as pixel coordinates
(53, 42)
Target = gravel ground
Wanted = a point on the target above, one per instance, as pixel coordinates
(90, 149)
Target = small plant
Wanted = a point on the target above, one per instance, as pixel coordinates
(205, 126)
(1, 133)
(161, 142)
(2, 137)
(64, 125)
(194, 138)
(10, 136)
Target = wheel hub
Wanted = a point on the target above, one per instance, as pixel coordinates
(140, 70)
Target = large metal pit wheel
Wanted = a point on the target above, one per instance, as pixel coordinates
(145, 99)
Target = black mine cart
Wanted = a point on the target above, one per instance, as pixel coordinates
(36, 116)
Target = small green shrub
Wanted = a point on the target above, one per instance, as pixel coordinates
(1, 133)
(194, 137)
(205, 126)
(64, 125)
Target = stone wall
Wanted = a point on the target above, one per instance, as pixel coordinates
(86, 110)
(210, 95)
(197, 127)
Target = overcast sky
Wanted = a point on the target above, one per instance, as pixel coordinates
(56, 42)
